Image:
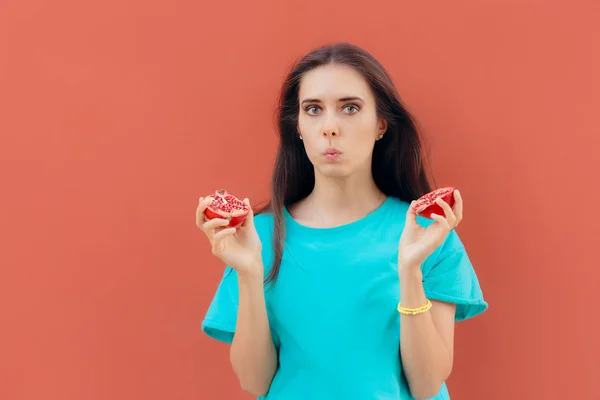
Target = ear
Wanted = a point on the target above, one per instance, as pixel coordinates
(382, 127)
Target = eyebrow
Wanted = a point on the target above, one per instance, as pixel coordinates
(351, 98)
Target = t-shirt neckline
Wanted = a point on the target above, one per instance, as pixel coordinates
(298, 228)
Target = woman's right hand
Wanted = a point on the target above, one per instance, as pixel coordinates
(240, 247)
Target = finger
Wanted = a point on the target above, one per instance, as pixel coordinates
(200, 212)
(249, 221)
(217, 242)
(442, 221)
(223, 234)
(458, 206)
(203, 202)
(211, 226)
(411, 214)
(450, 216)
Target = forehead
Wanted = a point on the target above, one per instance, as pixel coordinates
(333, 81)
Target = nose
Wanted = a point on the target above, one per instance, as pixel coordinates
(331, 129)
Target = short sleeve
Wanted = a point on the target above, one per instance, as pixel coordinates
(220, 319)
(449, 276)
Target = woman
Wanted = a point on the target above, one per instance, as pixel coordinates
(361, 293)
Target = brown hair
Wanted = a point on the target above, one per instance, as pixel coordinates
(398, 168)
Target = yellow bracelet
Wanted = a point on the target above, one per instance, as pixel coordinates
(415, 311)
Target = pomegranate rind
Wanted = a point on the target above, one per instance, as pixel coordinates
(431, 207)
(235, 217)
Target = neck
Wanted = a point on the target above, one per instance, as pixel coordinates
(337, 201)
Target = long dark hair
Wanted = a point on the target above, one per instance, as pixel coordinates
(398, 165)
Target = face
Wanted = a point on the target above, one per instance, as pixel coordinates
(338, 120)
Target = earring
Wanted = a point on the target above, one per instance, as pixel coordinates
(380, 136)
(300, 137)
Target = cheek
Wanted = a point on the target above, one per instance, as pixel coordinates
(309, 131)
(360, 142)
(305, 126)
(362, 132)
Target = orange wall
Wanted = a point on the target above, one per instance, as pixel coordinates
(115, 116)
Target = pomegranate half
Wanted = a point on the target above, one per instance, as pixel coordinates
(431, 207)
(227, 206)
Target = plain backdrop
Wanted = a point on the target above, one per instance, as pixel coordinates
(115, 116)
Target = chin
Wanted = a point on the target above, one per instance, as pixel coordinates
(335, 170)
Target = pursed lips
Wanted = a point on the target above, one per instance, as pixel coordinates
(332, 153)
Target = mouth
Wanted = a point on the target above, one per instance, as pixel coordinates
(332, 153)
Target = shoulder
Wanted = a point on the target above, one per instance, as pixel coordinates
(397, 205)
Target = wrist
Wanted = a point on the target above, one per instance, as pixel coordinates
(409, 270)
(254, 272)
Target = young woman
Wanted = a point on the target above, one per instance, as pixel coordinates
(338, 289)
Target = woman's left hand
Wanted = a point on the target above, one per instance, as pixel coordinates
(417, 243)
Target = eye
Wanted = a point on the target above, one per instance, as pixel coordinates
(351, 108)
(312, 110)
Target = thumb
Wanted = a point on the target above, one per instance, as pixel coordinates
(249, 221)
(411, 214)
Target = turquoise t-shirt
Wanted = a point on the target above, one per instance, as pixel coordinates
(333, 311)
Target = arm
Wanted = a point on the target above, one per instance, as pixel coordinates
(252, 354)
(426, 340)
